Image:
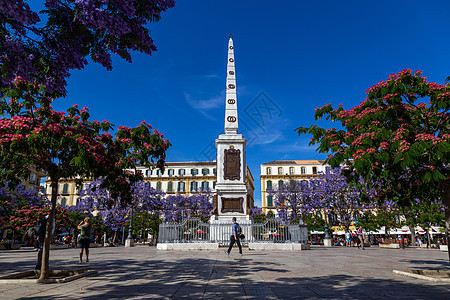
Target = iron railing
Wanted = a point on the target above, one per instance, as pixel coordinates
(273, 230)
(193, 230)
(190, 230)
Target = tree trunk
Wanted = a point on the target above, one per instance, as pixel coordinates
(115, 238)
(446, 200)
(45, 270)
(413, 235)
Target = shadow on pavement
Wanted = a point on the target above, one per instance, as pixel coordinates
(225, 277)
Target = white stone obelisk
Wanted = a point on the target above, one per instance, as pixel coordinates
(231, 184)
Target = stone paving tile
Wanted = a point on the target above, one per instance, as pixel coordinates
(144, 273)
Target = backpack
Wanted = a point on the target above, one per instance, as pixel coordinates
(238, 229)
(239, 232)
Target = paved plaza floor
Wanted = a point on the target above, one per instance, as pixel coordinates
(143, 272)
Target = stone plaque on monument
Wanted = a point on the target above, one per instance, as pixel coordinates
(232, 164)
(232, 205)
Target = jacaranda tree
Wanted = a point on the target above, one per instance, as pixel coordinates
(43, 42)
(69, 145)
(338, 197)
(178, 207)
(293, 199)
(397, 139)
(144, 199)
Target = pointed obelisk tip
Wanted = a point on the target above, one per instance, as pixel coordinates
(230, 36)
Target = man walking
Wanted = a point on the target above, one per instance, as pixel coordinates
(234, 237)
(360, 237)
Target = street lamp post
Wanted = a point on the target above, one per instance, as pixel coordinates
(130, 242)
(327, 232)
(327, 242)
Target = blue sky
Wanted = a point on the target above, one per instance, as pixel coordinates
(291, 57)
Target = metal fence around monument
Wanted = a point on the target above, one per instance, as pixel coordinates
(193, 230)
(189, 231)
(277, 231)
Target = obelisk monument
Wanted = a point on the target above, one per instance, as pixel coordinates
(231, 200)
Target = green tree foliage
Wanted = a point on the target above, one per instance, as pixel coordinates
(313, 222)
(373, 220)
(146, 221)
(397, 139)
(423, 214)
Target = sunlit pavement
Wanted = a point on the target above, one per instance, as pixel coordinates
(143, 272)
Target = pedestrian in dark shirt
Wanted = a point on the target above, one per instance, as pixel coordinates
(234, 238)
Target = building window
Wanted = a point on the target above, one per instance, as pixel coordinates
(314, 170)
(63, 202)
(291, 170)
(170, 186)
(280, 183)
(280, 171)
(158, 186)
(80, 188)
(268, 171)
(269, 201)
(171, 172)
(194, 186)
(194, 172)
(205, 172)
(214, 171)
(333, 220)
(303, 170)
(158, 173)
(65, 188)
(148, 173)
(78, 201)
(269, 184)
(214, 184)
(292, 184)
(33, 179)
(205, 185)
(270, 214)
(181, 172)
(181, 186)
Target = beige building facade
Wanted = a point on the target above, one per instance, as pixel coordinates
(279, 172)
(185, 178)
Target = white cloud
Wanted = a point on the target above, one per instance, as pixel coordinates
(205, 105)
(209, 76)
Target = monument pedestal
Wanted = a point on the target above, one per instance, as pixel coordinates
(328, 243)
(129, 243)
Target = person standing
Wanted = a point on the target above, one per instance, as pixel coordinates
(85, 238)
(234, 238)
(348, 239)
(359, 232)
(418, 241)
